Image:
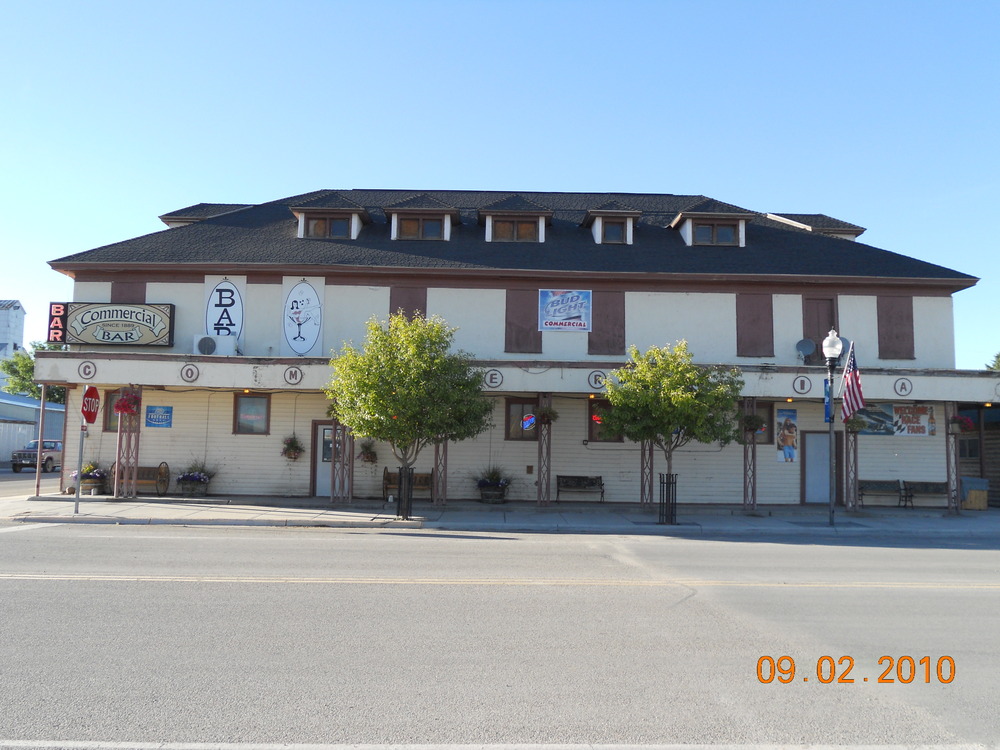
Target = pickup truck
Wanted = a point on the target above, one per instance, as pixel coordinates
(28, 456)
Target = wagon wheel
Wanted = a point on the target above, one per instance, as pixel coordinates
(162, 479)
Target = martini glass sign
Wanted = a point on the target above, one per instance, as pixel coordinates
(303, 317)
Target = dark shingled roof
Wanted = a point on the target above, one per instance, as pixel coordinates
(264, 235)
(204, 210)
(331, 201)
(514, 204)
(821, 221)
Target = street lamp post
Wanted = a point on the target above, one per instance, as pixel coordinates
(832, 348)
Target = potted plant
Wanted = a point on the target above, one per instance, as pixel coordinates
(92, 478)
(492, 482)
(367, 453)
(194, 479)
(753, 422)
(292, 448)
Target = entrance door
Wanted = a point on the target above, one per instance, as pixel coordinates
(323, 450)
(816, 467)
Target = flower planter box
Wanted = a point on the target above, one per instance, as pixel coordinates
(493, 494)
(91, 486)
(193, 489)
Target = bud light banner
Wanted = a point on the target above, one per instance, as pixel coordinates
(564, 310)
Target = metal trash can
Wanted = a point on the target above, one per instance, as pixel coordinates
(668, 499)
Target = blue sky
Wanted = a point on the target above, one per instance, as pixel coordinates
(883, 114)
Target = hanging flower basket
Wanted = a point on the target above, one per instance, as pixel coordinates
(292, 448)
(959, 424)
(128, 403)
(367, 453)
(546, 415)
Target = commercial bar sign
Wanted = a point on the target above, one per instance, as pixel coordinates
(111, 323)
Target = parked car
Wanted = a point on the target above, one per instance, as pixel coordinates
(28, 456)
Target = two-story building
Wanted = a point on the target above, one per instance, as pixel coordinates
(227, 321)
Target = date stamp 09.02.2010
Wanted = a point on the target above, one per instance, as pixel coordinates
(904, 669)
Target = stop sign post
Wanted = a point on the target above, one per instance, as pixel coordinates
(89, 407)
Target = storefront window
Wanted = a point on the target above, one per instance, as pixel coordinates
(110, 418)
(517, 428)
(252, 414)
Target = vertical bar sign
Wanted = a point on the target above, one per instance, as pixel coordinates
(826, 400)
(57, 323)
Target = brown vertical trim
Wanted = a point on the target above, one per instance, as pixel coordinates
(754, 325)
(521, 332)
(819, 315)
(412, 300)
(895, 327)
(608, 324)
(128, 292)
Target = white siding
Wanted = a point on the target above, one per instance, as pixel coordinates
(787, 312)
(346, 312)
(479, 316)
(934, 332)
(706, 321)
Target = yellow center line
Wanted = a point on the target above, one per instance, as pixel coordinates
(409, 581)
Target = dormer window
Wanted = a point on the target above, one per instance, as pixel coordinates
(421, 228)
(333, 227)
(515, 230)
(421, 217)
(612, 223)
(330, 217)
(613, 232)
(515, 219)
(710, 222)
(716, 234)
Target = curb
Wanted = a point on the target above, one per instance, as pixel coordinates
(285, 522)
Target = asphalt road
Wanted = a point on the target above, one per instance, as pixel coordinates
(156, 634)
(22, 483)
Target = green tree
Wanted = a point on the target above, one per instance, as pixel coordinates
(406, 387)
(995, 364)
(663, 397)
(20, 372)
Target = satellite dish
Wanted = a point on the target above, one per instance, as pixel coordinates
(805, 347)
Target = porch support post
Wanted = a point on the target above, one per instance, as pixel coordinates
(749, 459)
(544, 450)
(951, 457)
(646, 474)
(851, 473)
(127, 449)
(342, 465)
(439, 487)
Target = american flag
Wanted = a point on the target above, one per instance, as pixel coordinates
(850, 386)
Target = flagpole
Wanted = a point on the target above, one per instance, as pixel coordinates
(850, 350)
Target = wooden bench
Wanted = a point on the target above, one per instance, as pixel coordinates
(152, 477)
(390, 482)
(566, 483)
(892, 487)
(922, 488)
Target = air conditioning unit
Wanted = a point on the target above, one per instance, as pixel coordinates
(221, 346)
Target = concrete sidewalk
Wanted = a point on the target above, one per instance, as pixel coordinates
(807, 523)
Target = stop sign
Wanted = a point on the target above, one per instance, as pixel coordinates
(91, 403)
